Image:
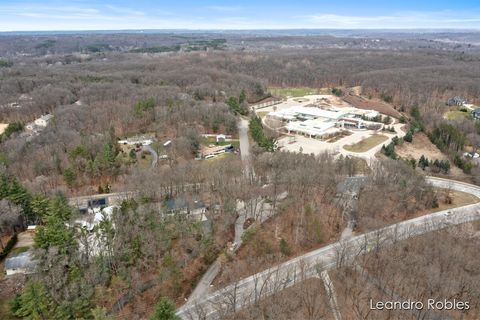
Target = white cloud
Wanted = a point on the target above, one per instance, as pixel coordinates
(224, 8)
(27, 17)
(403, 20)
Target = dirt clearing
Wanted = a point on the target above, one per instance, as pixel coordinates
(3, 126)
(368, 104)
(421, 145)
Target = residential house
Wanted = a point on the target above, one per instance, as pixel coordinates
(221, 138)
(476, 113)
(212, 151)
(21, 263)
(44, 120)
(183, 206)
(138, 140)
(95, 216)
(456, 101)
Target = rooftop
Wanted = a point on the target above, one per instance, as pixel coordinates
(312, 112)
(23, 260)
(47, 117)
(311, 127)
(181, 204)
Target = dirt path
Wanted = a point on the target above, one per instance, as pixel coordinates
(25, 239)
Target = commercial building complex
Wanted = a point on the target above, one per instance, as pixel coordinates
(316, 122)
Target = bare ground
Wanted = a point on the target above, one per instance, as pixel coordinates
(3, 126)
(372, 104)
(421, 145)
(25, 239)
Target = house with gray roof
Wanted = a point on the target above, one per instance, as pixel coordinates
(476, 113)
(456, 101)
(21, 263)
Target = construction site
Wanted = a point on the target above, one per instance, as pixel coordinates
(320, 123)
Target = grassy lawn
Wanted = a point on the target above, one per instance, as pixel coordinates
(452, 115)
(146, 162)
(18, 250)
(221, 156)
(366, 144)
(212, 140)
(292, 92)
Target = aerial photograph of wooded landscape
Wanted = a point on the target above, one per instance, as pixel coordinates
(168, 160)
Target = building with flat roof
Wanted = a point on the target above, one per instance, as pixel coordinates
(315, 122)
(313, 128)
(137, 140)
(212, 151)
(306, 113)
(44, 120)
(476, 113)
(21, 263)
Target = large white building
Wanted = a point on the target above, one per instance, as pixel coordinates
(315, 122)
(306, 113)
(44, 120)
(311, 128)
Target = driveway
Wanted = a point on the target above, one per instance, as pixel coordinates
(244, 142)
(154, 154)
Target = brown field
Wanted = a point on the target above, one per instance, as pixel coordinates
(459, 199)
(368, 104)
(421, 145)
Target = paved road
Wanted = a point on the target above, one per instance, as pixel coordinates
(203, 286)
(244, 143)
(260, 285)
(369, 155)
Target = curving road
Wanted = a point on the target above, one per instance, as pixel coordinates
(203, 286)
(260, 285)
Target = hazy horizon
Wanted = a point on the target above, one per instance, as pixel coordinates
(293, 31)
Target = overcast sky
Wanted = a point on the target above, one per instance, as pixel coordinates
(44, 15)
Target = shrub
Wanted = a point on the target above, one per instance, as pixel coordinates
(337, 92)
(10, 244)
(285, 248)
(408, 137)
(248, 235)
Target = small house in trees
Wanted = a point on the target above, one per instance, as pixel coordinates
(21, 263)
(221, 138)
(183, 206)
(456, 101)
(476, 113)
(213, 151)
(43, 121)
